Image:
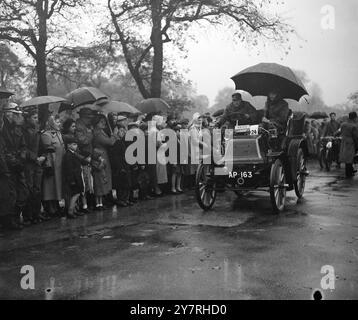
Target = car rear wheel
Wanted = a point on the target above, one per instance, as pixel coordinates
(300, 183)
(278, 186)
(205, 187)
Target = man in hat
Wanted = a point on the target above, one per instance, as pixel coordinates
(238, 106)
(14, 148)
(33, 166)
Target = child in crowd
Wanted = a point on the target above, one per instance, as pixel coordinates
(72, 177)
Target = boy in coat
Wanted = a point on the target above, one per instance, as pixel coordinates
(72, 177)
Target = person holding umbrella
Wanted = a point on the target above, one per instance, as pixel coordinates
(276, 111)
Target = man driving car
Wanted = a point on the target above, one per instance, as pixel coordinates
(238, 107)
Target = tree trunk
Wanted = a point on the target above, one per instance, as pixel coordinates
(41, 71)
(41, 58)
(157, 42)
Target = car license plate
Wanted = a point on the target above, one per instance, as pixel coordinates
(242, 174)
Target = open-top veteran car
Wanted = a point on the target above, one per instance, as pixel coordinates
(259, 156)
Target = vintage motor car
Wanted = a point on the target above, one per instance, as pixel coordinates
(257, 158)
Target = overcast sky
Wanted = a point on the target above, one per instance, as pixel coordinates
(329, 57)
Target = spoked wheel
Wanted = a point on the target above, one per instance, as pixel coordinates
(300, 183)
(205, 188)
(278, 186)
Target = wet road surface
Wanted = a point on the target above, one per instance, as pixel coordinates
(170, 249)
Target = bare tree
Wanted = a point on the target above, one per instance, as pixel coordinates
(27, 22)
(169, 21)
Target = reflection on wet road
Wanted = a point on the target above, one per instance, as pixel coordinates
(170, 249)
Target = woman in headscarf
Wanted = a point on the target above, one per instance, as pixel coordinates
(102, 173)
(54, 147)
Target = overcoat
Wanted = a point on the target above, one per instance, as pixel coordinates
(102, 142)
(349, 132)
(52, 184)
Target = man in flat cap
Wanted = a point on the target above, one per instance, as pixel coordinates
(236, 107)
(14, 148)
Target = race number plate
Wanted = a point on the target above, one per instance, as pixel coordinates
(254, 130)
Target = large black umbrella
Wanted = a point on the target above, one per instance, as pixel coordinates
(318, 115)
(153, 105)
(261, 79)
(41, 100)
(119, 107)
(85, 95)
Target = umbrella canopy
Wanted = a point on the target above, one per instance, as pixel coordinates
(153, 105)
(5, 93)
(218, 113)
(85, 95)
(261, 79)
(318, 115)
(119, 107)
(41, 100)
